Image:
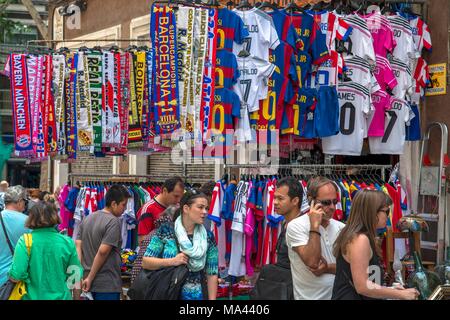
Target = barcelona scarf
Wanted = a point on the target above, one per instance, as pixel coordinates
(21, 107)
(207, 102)
(95, 92)
(165, 92)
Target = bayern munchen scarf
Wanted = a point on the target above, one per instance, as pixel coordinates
(108, 99)
(84, 111)
(200, 47)
(71, 123)
(165, 92)
(208, 78)
(95, 91)
(49, 114)
(185, 46)
(35, 79)
(59, 72)
(21, 107)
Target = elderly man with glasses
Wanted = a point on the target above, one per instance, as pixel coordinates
(310, 239)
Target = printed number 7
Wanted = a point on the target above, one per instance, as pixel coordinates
(247, 84)
(390, 126)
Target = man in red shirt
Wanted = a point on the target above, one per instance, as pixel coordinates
(172, 191)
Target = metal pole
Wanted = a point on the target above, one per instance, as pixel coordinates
(49, 174)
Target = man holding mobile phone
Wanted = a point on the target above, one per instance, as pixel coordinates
(310, 239)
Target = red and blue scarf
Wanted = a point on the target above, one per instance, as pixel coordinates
(165, 92)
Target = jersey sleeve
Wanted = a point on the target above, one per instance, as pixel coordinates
(265, 68)
(235, 68)
(274, 40)
(318, 46)
(241, 31)
(375, 86)
(426, 37)
(344, 30)
(291, 37)
(369, 50)
(389, 40)
(235, 105)
(389, 77)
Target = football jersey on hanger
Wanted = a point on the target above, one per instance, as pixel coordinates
(262, 34)
(227, 72)
(421, 34)
(230, 28)
(405, 49)
(382, 33)
(402, 73)
(393, 140)
(359, 70)
(354, 103)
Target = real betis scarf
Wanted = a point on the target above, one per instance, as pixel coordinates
(35, 76)
(49, 108)
(95, 91)
(165, 92)
(108, 99)
(208, 78)
(21, 108)
(59, 72)
(185, 46)
(84, 110)
(200, 46)
(71, 106)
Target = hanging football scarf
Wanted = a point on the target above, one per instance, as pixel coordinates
(95, 91)
(35, 74)
(185, 44)
(200, 46)
(84, 111)
(71, 108)
(21, 108)
(146, 105)
(117, 89)
(208, 79)
(49, 115)
(133, 125)
(59, 69)
(149, 136)
(165, 104)
(108, 99)
(135, 134)
(125, 100)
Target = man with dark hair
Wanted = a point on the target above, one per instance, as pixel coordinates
(310, 239)
(98, 243)
(172, 191)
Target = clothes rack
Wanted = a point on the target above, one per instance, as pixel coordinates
(317, 168)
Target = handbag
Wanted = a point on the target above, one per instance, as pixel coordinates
(274, 283)
(161, 284)
(14, 290)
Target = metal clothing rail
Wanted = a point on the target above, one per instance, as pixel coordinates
(73, 177)
(88, 40)
(334, 168)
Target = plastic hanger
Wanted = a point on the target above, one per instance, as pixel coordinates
(267, 5)
(293, 7)
(244, 4)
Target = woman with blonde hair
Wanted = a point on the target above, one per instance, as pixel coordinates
(358, 255)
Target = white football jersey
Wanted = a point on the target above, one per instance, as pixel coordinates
(359, 71)
(254, 75)
(393, 140)
(402, 73)
(354, 103)
(263, 35)
(360, 43)
(403, 36)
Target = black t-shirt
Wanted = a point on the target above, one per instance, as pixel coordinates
(282, 249)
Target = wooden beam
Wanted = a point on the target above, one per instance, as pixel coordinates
(43, 29)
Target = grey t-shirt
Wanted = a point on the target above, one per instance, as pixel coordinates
(102, 228)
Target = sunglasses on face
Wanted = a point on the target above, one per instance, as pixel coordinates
(327, 203)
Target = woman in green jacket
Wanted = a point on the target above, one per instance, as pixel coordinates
(52, 269)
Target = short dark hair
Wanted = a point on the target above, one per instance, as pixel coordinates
(171, 183)
(42, 215)
(188, 199)
(295, 188)
(42, 195)
(117, 193)
(208, 188)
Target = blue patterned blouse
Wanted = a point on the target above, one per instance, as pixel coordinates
(163, 245)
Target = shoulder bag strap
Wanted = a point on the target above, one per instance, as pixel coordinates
(6, 235)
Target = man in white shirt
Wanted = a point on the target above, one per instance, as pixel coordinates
(310, 239)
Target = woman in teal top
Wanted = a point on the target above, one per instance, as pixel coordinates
(52, 269)
(186, 241)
